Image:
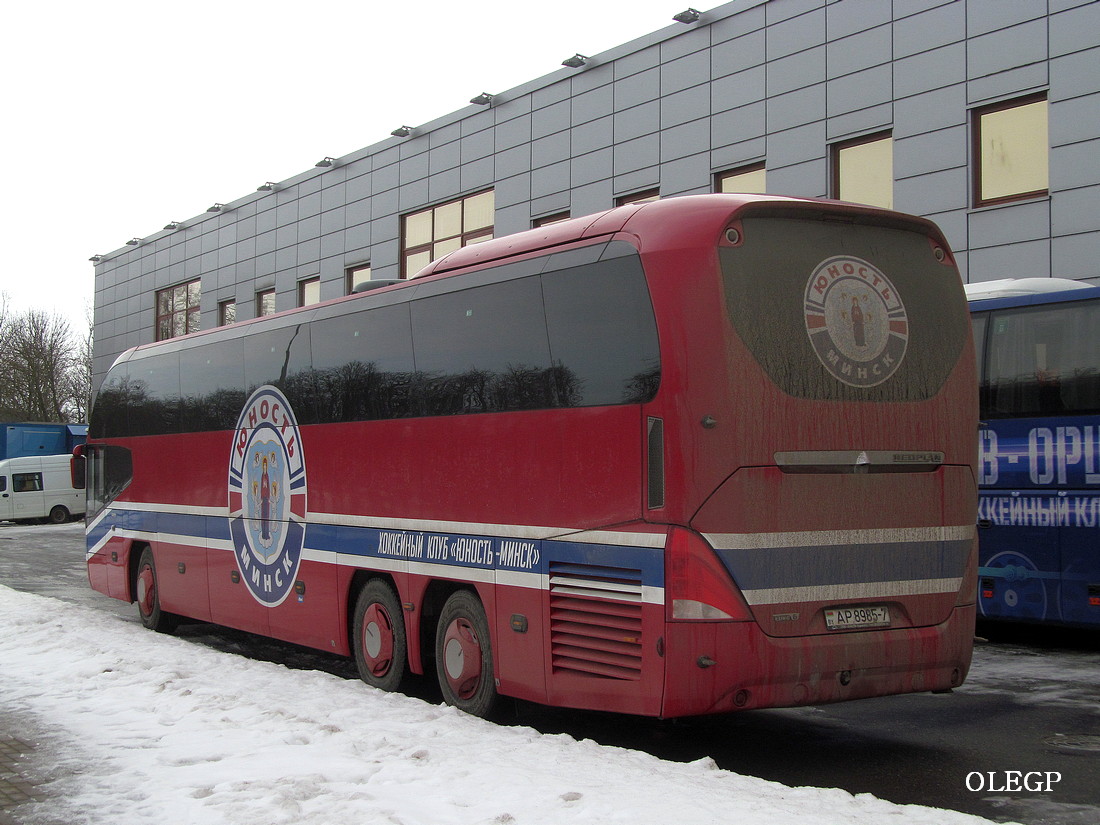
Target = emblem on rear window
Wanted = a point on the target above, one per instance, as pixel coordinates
(267, 496)
(856, 321)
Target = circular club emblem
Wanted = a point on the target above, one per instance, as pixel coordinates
(856, 321)
(267, 496)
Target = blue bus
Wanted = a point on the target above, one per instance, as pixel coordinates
(1038, 347)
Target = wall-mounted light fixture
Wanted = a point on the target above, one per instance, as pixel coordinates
(95, 259)
(402, 131)
(172, 226)
(325, 162)
(133, 241)
(266, 186)
(686, 16)
(575, 62)
(483, 99)
(218, 207)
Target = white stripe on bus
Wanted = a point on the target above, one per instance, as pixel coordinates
(836, 538)
(845, 592)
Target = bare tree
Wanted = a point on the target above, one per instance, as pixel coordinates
(45, 372)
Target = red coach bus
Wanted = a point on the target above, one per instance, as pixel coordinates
(691, 456)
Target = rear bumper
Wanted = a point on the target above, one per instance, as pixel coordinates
(722, 667)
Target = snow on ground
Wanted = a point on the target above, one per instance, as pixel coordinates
(144, 728)
(1025, 674)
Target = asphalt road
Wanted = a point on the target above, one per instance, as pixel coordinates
(1031, 705)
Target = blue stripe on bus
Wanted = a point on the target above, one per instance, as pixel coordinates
(818, 566)
(643, 566)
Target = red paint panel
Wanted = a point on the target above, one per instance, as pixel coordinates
(578, 468)
(231, 603)
(752, 670)
(181, 579)
(520, 648)
(312, 617)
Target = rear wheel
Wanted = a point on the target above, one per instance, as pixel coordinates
(59, 515)
(148, 596)
(380, 649)
(464, 656)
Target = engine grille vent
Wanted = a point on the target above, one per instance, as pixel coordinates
(589, 634)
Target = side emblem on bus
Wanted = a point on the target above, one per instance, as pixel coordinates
(856, 321)
(267, 496)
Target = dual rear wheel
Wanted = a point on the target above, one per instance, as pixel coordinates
(463, 654)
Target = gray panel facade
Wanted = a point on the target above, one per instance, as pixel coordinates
(753, 81)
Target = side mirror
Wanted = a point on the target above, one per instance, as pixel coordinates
(77, 467)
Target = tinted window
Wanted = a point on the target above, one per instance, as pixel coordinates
(363, 365)
(483, 349)
(979, 323)
(911, 333)
(603, 337)
(211, 379)
(581, 334)
(110, 469)
(272, 357)
(280, 357)
(1043, 361)
(110, 414)
(153, 393)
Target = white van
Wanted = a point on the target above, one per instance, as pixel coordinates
(39, 487)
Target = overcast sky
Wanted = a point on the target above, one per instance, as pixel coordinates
(120, 115)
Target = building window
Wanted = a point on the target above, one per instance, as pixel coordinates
(432, 233)
(265, 303)
(863, 171)
(557, 217)
(227, 313)
(178, 310)
(639, 197)
(749, 179)
(309, 291)
(1011, 151)
(355, 275)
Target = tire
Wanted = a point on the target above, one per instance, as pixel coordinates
(147, 595)
(464, 655)
(379, 641)
(59, 515)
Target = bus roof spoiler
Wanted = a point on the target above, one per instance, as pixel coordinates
(1012, 287)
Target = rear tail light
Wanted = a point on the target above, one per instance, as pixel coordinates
(697, 586)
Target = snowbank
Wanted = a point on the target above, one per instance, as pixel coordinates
(144, 728)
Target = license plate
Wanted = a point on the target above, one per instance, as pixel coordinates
(842, 618)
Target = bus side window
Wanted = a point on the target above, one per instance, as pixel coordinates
(3, 484)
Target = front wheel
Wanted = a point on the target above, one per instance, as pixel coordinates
(464, 656)
(148, 596)
(380, 651)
